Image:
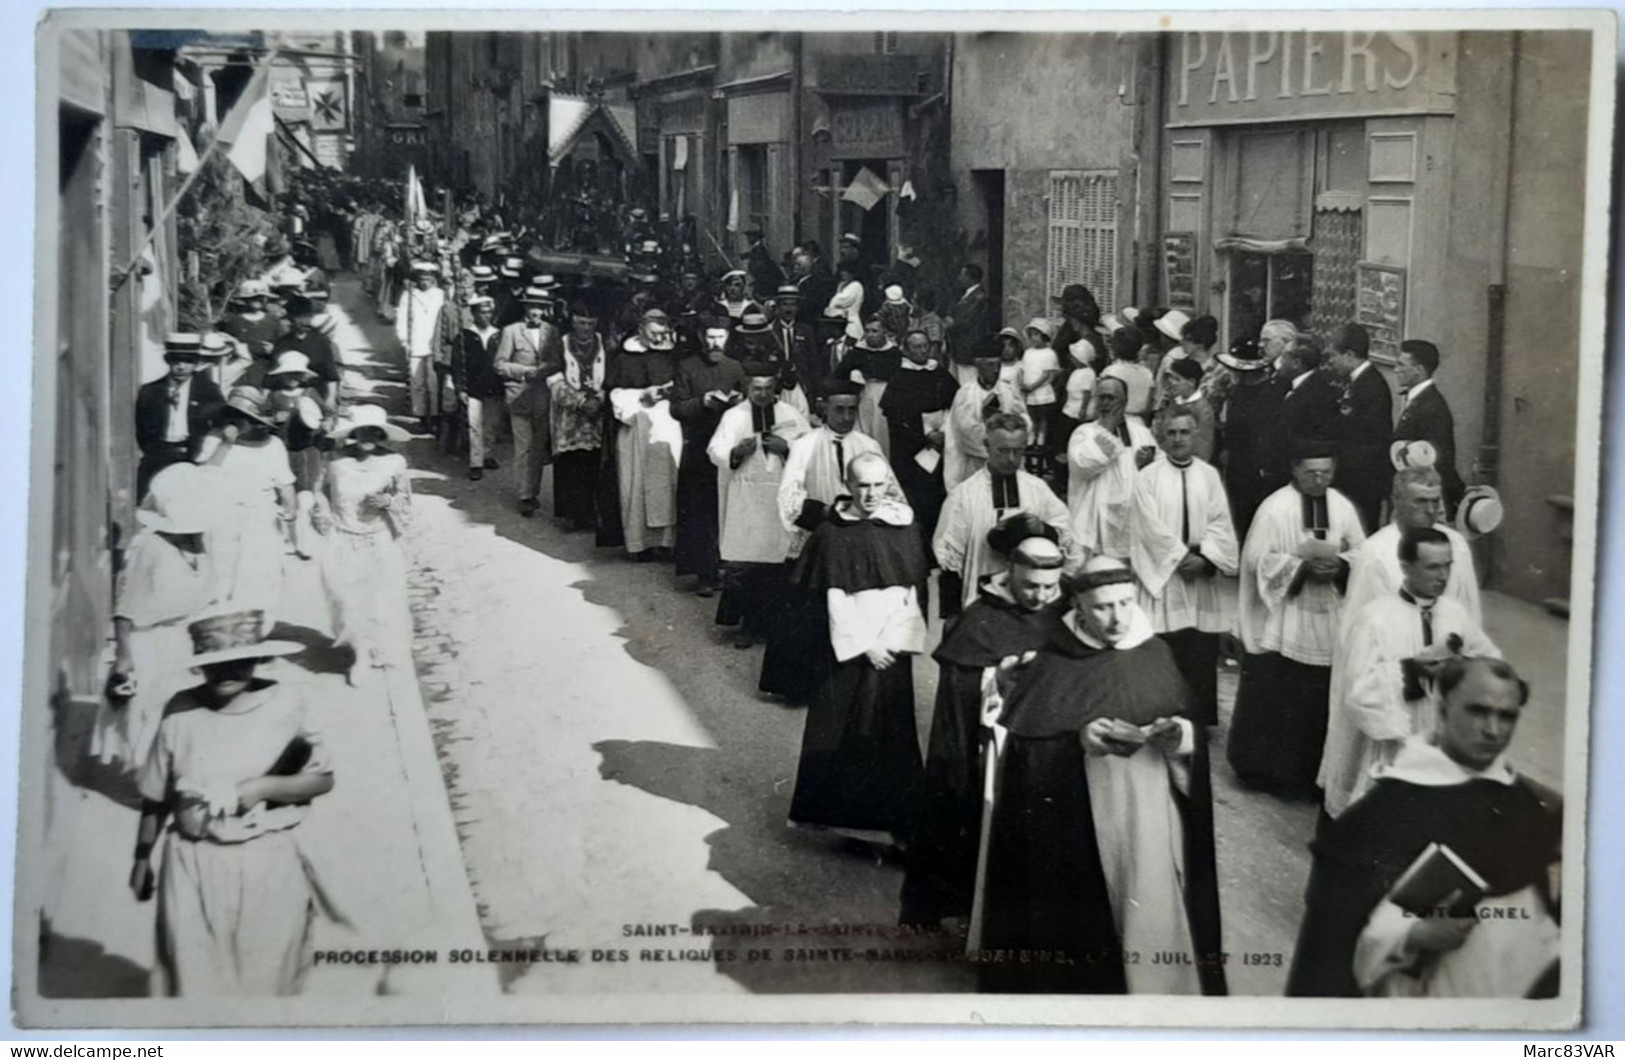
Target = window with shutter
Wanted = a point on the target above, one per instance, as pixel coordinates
(1083, 233)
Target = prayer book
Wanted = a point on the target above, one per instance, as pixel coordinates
(1438, 879)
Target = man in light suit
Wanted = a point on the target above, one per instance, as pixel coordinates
(529, 352)
(1425, 416)
(1364, 469)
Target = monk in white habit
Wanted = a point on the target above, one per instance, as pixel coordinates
(1099, 839)
(976, 505)
(1103, 458)
(814, 476)
(1185, 553)
(749, 448)
(1418, 502)
(647, 442)
(1381, 692)
(1294, 572)
(1457, 789)
(964, 438)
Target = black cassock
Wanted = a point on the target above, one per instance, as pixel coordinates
(1044, 890)
(911, 394)
(1509, 833)
(860, 757)
(940, 875)
(697, 511)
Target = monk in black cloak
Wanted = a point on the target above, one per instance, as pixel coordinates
(1097, 856)
(1013, 613)
(1455, 788)
(916, 404)
(860, 757)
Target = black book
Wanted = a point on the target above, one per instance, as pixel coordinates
(1438, 880)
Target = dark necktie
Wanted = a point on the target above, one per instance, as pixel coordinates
(784, 340)
(840, 457)
(1006, 494)
(761, 418)
(1122, 433)
(1426, 608)
(1315, 519)
(1184, 504)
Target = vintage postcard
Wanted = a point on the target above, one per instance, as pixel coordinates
(591, 517)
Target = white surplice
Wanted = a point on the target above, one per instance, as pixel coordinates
(748, 495)
(813, 472)
(1370, 716)
(1161, 492)
(1100, 488)
(968, 514)
(1375, 573)
(964, 441)
(1301, 627)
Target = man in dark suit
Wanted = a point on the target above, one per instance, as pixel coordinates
(1424, 415)
(1309, 394)
(765, 274)
(1366, 424)
(794, 340)
(968, 322)
(173, 414)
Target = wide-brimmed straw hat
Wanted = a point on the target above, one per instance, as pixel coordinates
(292, 362)
(232, 636)
(175, 501)
(359, 416)
(1172, 323)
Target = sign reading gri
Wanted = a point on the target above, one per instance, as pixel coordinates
(1219, 69)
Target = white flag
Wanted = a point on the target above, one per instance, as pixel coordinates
(248, 129)
(866, 189)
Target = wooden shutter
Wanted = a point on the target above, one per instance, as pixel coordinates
(1083, 233)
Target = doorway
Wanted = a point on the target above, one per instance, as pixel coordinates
(990, 184)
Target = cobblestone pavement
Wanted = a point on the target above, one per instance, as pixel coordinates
(618, 785)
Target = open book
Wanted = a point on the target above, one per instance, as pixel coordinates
(1438, 880)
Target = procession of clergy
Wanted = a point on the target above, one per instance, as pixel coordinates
(1115, 511)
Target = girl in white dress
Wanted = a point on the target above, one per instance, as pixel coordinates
(252, 494)
(362, 510)
(168, 579)
(235, 767)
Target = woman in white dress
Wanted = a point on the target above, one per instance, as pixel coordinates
(362, 510)
(847, 303)
(252, 493)
(168, 579)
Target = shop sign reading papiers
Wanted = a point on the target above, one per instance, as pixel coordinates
(1225, 78)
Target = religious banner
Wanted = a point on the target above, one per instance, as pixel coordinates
(328, 111)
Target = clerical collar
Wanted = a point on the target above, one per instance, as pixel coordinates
(1417, 601)
(1181, 464)
(1297, 381)
(1316, 515)
(1139, 631)
(910, 366)
(1006, 491)
(1420, 761)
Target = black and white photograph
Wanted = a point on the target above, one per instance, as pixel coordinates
(722, 517)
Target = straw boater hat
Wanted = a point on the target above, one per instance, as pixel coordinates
(545, 281)
(426, 266)
(233, 636)
(1480, 512)
(482, 300)
(649, 246)
(513, 268)
(1172, 323)
(752, 323)
(483, 274)
(894, 295)
(787, 292)
(1244, 356)
(359, 416)
(644, 277)
(848, 237)
(292, 363)
(732, 273)
(1403, 454)
(251, 289)
(536, 296)
(251, 401)
(183, 343)
(216, 344)
(174, 503)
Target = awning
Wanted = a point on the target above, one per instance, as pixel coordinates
(764, 81)
(569, 118)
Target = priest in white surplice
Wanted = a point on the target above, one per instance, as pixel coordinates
(1382, 691)
(973, 507)
(1104, 456)
(814, 476)
(749, 449)
(965, 439)
(1294, 572)
(1185, 554)
(1418, 502)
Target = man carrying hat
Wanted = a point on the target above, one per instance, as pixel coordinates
(528, 353)
(173, 414)
(417, 326)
